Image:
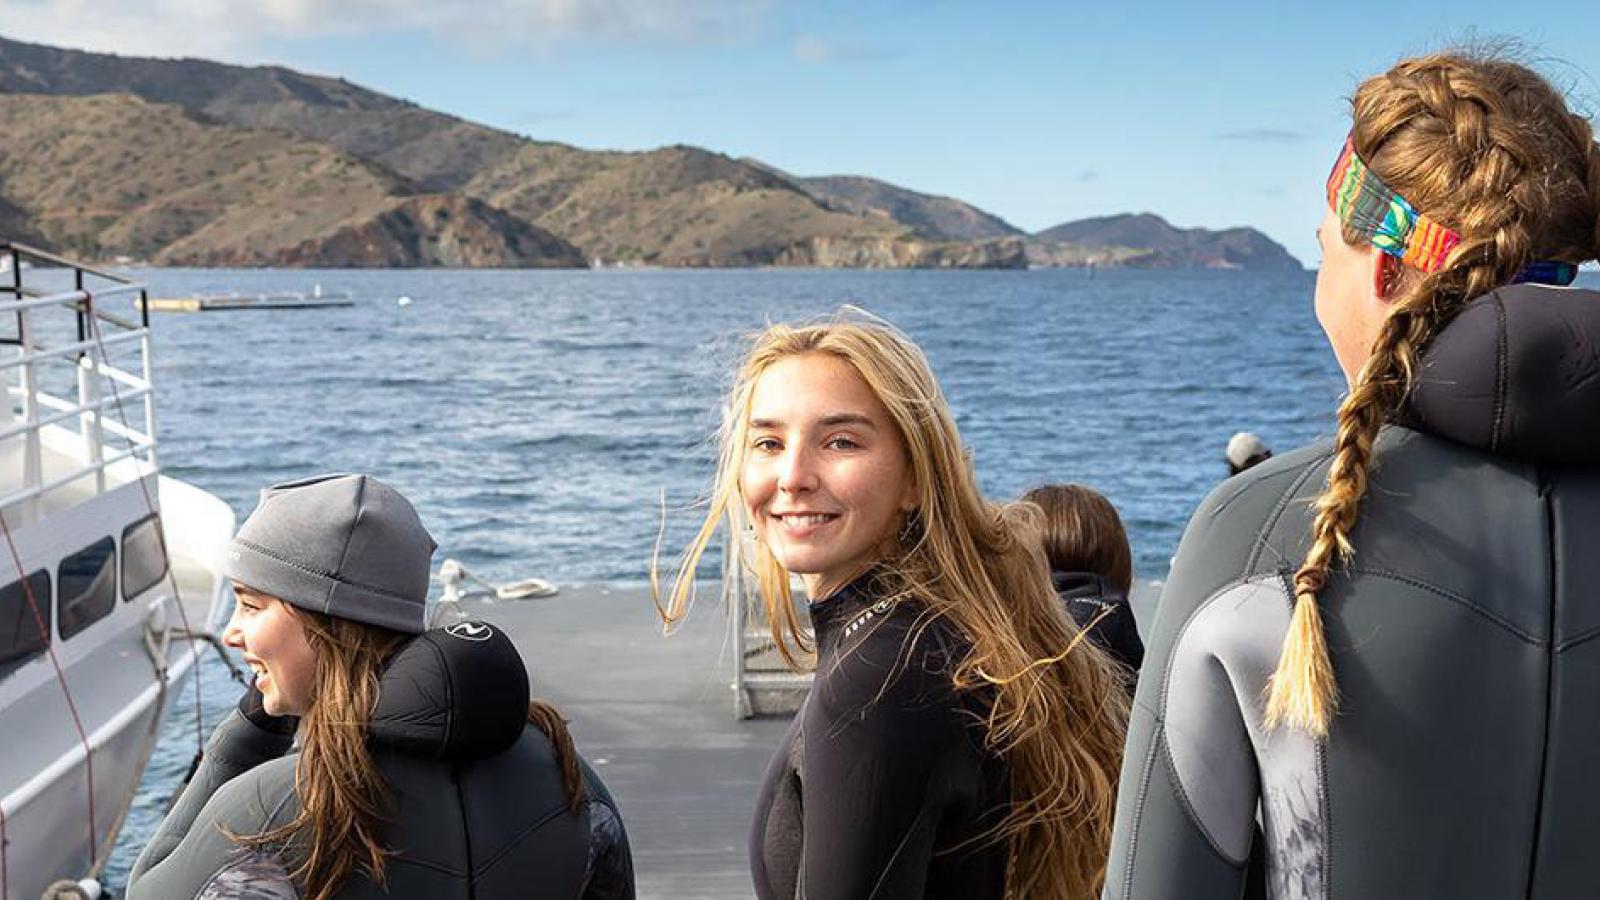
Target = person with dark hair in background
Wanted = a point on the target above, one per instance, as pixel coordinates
(1091, 566)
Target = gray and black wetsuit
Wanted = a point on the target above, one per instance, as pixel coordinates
(477, 805)
(1463, 637)
(882, 785)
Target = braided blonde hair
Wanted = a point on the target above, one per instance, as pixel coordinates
(1488, 148)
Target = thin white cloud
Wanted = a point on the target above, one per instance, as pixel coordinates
(809, 48)
(1264, 136)
(236, 30)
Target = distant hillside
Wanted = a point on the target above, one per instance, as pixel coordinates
(228, 165)
(1164, 245)
(679, 206)
(15, 223)
(437, 151)
(932, 217)
(675, 206)
(113, 175)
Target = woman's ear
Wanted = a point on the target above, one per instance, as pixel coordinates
(1385, 275)
(909, 497)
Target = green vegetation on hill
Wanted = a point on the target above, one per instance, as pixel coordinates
(196, 162)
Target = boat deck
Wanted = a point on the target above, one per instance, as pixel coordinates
(654, 715)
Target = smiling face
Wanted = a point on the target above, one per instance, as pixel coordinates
(825, 477)
(274, 645)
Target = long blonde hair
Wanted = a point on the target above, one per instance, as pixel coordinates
(1488, 148)
(1057, 717)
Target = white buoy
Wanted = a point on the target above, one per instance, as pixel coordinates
(403, 301)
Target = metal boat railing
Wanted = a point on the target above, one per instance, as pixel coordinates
(762, 682)
(65, 372)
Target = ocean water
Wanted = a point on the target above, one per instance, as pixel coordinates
(540, 419)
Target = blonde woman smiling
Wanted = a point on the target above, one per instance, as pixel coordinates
(959, 741)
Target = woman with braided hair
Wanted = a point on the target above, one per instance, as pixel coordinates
(1383, 648)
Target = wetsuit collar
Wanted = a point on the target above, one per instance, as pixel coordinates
(1517, 374)
(1084, 585)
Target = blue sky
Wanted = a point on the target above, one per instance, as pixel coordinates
(1037, 112)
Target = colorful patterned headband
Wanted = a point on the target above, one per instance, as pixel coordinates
(1364, 203)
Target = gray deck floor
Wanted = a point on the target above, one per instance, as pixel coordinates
(655, 717)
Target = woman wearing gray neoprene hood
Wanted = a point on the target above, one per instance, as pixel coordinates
(366, 743)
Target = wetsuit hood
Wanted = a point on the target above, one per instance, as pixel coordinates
(1517, 373)
(1085, 585)
(458, 693)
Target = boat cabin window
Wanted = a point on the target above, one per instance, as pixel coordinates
(86, 586)
(21, 638)
(144, 561)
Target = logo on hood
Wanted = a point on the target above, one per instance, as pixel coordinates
(470, 631)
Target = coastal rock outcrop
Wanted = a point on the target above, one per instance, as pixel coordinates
(1146, 240)
(442, 230)
(904, 253)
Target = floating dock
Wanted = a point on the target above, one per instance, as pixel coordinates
(229, 302)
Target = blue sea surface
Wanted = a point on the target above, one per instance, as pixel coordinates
(538, 419)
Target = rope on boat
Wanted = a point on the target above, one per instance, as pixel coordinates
(99, 860)
(61, 676)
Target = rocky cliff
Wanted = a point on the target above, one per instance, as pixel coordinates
(904, 253)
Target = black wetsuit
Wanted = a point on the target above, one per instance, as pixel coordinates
(1091, 600)
(1462, 635)
(883, 779)
(478, 809)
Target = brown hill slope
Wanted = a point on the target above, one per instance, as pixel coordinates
(115, 175)
(437, 151)
(15, 222)
(940, 218)
(674, 206)
(928, 215)
(1167, 246)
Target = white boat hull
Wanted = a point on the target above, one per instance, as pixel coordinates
(120, 699)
